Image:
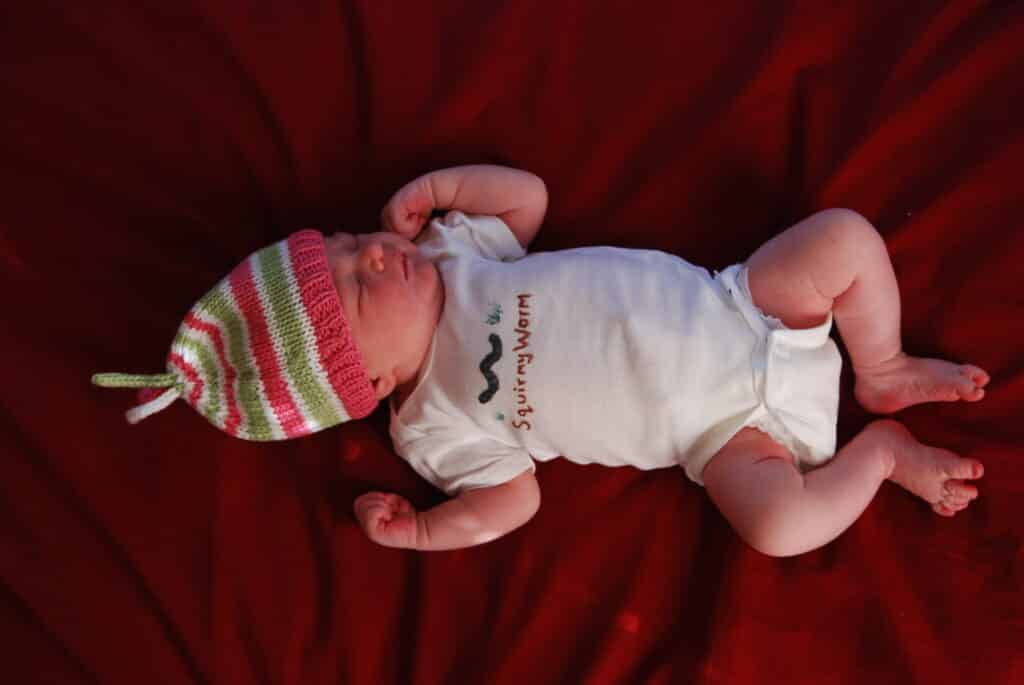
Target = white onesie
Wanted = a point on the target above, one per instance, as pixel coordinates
(601, 355)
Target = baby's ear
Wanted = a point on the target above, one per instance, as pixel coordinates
(383, 386)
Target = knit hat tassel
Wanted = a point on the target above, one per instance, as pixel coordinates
(124, 380)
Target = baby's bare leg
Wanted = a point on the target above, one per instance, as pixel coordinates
(781, 512)
(836, 261)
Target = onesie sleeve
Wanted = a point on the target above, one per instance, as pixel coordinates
(469, 464)
(457, 233)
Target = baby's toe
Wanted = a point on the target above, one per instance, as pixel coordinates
(942, 510)
(957, 492)
(977, 376)
(961, 468)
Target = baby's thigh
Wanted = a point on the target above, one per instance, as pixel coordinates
(749, 446)
(752, 441)
(796, 275)
(751, 477)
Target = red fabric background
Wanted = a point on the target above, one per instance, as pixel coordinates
(146, 148)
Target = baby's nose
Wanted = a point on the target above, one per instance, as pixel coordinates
(373, 255)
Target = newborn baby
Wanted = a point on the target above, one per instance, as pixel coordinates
(493, 358)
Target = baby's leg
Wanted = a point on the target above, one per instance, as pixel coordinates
(836, 261)
(781, 512)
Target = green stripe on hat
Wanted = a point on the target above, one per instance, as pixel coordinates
(220, 303)
(288, 321)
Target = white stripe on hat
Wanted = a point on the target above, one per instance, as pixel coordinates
(192, 360)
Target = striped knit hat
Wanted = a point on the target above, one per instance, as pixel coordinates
(267, 354)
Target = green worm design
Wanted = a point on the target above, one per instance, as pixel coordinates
(485, 368)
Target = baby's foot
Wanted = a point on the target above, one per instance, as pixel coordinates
(904, 381)
(935, 475)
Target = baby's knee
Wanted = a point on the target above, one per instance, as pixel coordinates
(777, 534)
(777, 525)
(848, 230)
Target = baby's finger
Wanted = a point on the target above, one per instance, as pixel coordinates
(364, 504)
(400, 222)
(385, 219)
(402, 506)
(393, 219)
(371, 497)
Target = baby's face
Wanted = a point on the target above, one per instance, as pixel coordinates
(392, 296)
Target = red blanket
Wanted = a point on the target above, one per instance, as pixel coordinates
(146, 148)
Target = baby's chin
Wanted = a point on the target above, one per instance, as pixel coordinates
(425, 266)
(435, 285)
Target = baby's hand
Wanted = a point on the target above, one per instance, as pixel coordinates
(409, 208)
(388, 520)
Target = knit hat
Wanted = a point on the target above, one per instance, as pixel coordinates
(267, 354)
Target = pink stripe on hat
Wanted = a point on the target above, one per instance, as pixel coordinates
(234, 417)
(261, 347)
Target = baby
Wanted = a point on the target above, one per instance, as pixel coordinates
(493, 358)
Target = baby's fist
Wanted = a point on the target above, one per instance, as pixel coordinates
(409, 208)
(388, 520)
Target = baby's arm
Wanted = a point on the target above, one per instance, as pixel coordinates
(518, 198)
(472, 518)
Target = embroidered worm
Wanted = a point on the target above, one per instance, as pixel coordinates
(485, 369)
